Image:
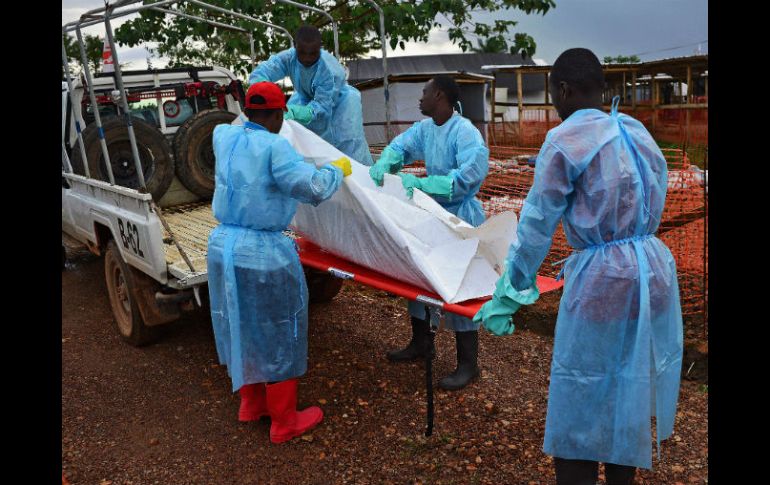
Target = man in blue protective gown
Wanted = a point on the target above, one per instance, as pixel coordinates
(257, 286)
(322, 100)
(617, 353)
(456, 162)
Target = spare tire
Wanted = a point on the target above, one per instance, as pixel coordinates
(154, 153)
(194, 151)
(89, 132)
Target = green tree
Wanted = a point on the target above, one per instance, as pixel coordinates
(187, 42)
(491, 45)
(93, 44)
(621, 60)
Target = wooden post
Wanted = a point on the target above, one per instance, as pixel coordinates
(494, 110)
(547, 111)
(624, 88)
(519, 91)
(687, 110)
(633, 91)
(654, 101)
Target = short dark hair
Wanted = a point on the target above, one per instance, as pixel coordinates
(259, 113)
(307, 33)
(579, 68)
(448, 86)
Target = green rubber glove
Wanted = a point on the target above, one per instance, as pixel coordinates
(497, 314)
(299, 113)
(390, 162)
(432, 184)
(409, 182)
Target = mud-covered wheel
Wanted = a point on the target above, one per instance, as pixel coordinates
(321, 286)
(154, 154)
(121, 289)
(194, 150)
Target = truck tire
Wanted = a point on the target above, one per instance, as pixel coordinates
(154, 152)
(121, 289)
(321, 286)
(194, 151)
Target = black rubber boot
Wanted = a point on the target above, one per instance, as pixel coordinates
(467, 361)
(416, 348)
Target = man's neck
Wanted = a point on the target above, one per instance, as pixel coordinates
(593, 104)
(442, 117)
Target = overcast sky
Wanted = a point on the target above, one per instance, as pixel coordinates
(651, 29)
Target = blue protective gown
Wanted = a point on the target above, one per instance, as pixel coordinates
(455, 148)
(256, 283)
(617, 351)
(337, 113)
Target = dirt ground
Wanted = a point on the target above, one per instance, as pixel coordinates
(164, 414)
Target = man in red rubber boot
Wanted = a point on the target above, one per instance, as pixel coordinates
(257, 287)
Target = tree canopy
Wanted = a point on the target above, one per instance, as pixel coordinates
(187, 42)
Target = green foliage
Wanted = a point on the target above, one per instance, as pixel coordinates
(93, 45)
(621, 60)
(187, 42)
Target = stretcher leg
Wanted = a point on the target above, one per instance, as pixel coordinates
(429, 373)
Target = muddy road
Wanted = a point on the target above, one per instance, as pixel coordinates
(165, 413)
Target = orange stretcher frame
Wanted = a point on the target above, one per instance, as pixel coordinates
(315, 257)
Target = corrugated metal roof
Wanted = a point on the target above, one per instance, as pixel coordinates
(460, 77)
(364, 69)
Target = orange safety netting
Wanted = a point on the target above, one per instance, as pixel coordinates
(683, 225)
(670, 126)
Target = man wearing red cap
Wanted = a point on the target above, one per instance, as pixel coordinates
(256, 284)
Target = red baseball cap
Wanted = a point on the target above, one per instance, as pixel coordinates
(272, 94)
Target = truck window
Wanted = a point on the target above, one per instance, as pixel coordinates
(105, 110)
(176, 111)
(146, 109)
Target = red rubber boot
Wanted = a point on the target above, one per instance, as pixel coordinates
(287, 422)
(253, 402)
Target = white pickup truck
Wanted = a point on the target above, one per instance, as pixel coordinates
(154, 244)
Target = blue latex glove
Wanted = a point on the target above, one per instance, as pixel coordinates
(432, 184)
(390, 162)
(300, 113)
(497, 314)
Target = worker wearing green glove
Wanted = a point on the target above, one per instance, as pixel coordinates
(390, 161)
(456, 163)
(497, 313)
(322, 101)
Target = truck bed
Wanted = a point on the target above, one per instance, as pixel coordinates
(191, 224)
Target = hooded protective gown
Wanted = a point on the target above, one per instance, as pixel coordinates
(256, 283)
(337, 113)
(455, 148)
(617, 351)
